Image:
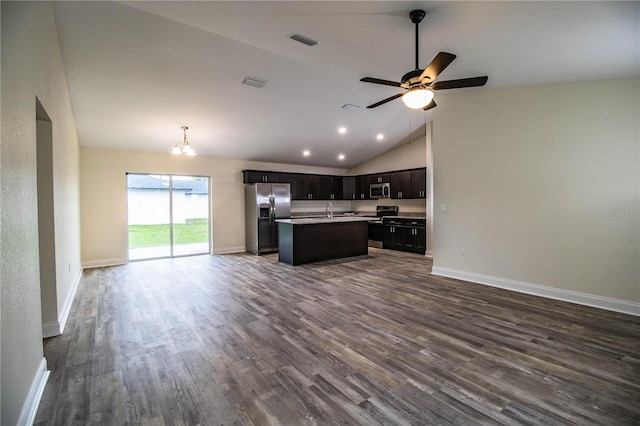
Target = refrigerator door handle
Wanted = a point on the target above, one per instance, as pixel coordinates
(272, 203)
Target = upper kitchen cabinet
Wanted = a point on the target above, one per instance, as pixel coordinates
(405, 184)
(380, 178)
(362, 187)
(336, 188)
(304, 187)
(419, 183)
(314, 187)
(292, 180)
(324, 187)
(349, 188)
(401, 184)
(256, 176)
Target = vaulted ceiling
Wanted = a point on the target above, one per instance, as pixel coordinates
(137, 71)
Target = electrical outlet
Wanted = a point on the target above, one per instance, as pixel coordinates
(443, 208)
(463, 252)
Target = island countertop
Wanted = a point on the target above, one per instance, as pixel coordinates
(318, 220)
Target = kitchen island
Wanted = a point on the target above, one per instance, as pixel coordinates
(314, 239)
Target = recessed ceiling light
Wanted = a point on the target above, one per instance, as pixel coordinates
(379, 136)
(342, 130)
(341, 157)
(306, 153)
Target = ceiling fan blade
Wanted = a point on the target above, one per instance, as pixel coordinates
(460, 83)
(380, 81)
(384, 101)
(439, 63)
(431, 104)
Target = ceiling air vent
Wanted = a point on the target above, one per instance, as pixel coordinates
(350, 107)
(254, 83)
(304, 40)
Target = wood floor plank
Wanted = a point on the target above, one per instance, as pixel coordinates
(245, 340)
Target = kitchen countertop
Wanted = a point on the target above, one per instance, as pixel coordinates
(316, 220)
(406, 217)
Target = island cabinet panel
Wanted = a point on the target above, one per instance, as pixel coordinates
(299, 244)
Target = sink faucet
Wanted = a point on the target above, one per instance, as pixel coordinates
(329, 210)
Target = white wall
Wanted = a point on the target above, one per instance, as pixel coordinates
(408, 156)
(541, 186)
(104, 189)
(32, 67)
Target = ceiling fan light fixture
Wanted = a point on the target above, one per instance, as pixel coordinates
(417, 98)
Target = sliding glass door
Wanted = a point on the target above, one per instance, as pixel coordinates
(168, 215)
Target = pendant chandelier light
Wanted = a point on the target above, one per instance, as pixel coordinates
(183, 147)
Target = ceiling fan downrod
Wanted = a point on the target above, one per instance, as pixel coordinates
(416, 17)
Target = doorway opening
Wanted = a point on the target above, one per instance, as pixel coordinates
(168, 215)
(46, 225)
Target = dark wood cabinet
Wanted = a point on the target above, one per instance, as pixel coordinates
(419, 183)
(324, 187)
(336, 188)
(405, 235)
(256, 176)
(393, 235)
(380, 178)
(406, 184)
(304, 187)
(401, 184)
(314, 187)
(362, 187)
(349, 188)
(292, 180)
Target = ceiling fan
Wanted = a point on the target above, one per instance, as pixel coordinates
(419, 83)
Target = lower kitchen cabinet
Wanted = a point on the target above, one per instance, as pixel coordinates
(405, 235)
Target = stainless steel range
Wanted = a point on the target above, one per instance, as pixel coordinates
(375, 224)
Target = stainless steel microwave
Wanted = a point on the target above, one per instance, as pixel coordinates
(379, 190)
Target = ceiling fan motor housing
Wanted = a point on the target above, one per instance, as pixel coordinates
(411, 78)
(417, 16)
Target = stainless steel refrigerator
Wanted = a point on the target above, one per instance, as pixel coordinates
(264, 203)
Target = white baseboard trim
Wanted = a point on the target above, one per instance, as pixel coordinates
(31, 403)
(55, 328)
(586, 299)
(104, 262)
(229, 250)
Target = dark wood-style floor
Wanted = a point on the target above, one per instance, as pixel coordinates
(242, 339)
